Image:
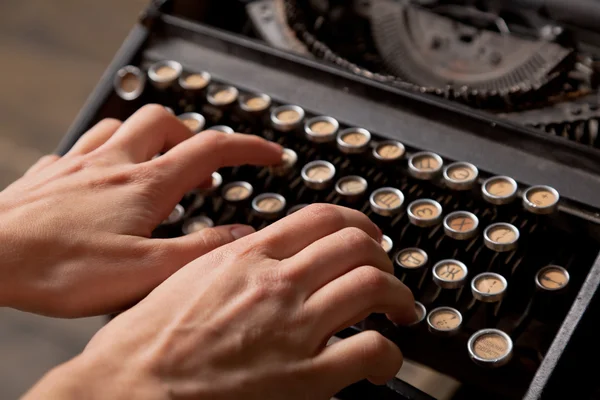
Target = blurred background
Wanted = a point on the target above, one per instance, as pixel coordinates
(53, 54)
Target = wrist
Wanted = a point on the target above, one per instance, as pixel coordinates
(89, 377)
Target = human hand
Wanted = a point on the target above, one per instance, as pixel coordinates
(250, 320)
(76, 229)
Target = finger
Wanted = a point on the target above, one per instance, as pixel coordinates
(149, 131)
(187, 248)
(352, 297)
(334, 255)
(366, 355)
(42, 163)
(293, 233)
(96, 136)
(189, 164)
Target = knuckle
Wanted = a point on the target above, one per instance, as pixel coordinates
(372, 280)
(109, 122)
(375, 345)
(215, 140)
(356, 238)
(327, 214)
(154, 111)
(212, 238)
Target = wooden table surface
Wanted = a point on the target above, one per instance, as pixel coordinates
(53, 52)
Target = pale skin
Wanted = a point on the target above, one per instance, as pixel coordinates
(226, 313)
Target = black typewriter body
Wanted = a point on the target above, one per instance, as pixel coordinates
(441, 164)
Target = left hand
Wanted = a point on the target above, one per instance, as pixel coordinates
(76, 229)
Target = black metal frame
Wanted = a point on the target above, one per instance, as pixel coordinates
(456, 132)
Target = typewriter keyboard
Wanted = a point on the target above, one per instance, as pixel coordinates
(494, 265)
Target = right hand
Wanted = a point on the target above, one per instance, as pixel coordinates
(251, 319)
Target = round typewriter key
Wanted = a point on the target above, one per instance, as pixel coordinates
(541, 199)
(287, 118)
(129, 82)
(197, 224)
(268, 205)
(222, 95)
(254, 103)
(321, 129)
(461, 225)
(450, 274)
(318, 174)
(194, 82)
(425, 165)
(552, 278)
(386, 243)
(386, 201)
(236, 192)
(296, 208)
(444, 321)
(424, 212)
(175, 216)
(221, 128)
(353, 140)
(351, 187)
(389, 150)
(499, 190)
(460, 175)
(163, 74)
(488, 287)
(288, 161)
(411, 258)
(501, 237)
(194, 121)
(421, 312)
(490, 348)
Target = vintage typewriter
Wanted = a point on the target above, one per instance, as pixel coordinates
(468, 131)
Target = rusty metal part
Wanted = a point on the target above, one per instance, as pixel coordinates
(546, 70)
(575, 119)
(433, 50)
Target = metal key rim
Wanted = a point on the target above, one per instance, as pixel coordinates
(499, 200)
(196, 117)
(386, 212)
(460, 184)
(394, 143)
(490, 362)
(215, 88)
(534, 208)
(461, 235)
(122, 73)
(341, 192)
(184, 85)
(447, 283)
(263, 196)
(444, 332)
(539, 284)
(497, 246)
(350, 148)
(418, 173)
(159, 81)
(485, 297)
(320, 138)
(243, 184)
(424, 222)
(283, 125)
(317, 183)
(422, 252)
(243, 99)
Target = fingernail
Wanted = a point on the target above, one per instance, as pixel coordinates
(241, 231)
